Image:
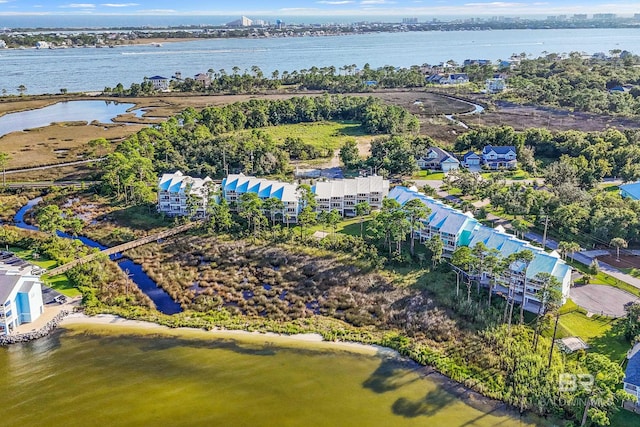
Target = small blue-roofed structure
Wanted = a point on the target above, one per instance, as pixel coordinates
(631, 190)
(632, 375)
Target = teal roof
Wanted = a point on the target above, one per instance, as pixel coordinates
(631, 190)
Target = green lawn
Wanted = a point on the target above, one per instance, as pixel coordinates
(330, 135)
(624, 418)
(434, 176)
(60, 282)
(602, 334)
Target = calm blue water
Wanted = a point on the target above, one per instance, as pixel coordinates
(164, 303)
(88, 111)
(46, 71)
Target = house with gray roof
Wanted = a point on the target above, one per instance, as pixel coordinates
(181, 195)
(20, 295)
(438, 159)
(499, 157)
(159, 82)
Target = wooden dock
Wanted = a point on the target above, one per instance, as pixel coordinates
(121, 248)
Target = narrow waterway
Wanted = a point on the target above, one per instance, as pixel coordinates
(163, 301)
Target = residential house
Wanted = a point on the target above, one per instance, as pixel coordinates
(203, 79)
(448, 79)
(42, 45)
(20, 294)
(233, 186)
(471, 159)
(180, 195)
(159, 82)
(499, 157)
(631, 382)
(438, 159)
(456, 229)
(495, 85)
(344, 194)
(3, 44)
(631, 190)
(480, 62)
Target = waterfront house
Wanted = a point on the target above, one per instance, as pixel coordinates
(344, 194)
(456, 229)
(448, 79)
(234, 185)
(180, 195)
(438, 159)
(631, 190)
(499, 157)
(632, 377)
(471, 159)
(159, 82)
(203, 80)
(20, 294)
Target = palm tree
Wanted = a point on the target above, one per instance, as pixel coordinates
(4, 159)
(618, 242)
(362, 209)
(525, 257)
(568, 248)
(415, 210)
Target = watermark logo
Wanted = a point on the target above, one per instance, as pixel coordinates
(568, 382)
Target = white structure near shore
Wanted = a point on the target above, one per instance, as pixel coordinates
(180, 195)
(20, 295)
(344, 194)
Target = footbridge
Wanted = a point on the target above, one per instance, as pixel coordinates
(121, 248)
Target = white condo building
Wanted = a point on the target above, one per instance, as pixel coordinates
(344, 194)
(20, 295)
(174, 190)
(233, 186)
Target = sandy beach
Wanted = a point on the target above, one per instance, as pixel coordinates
(79, 321)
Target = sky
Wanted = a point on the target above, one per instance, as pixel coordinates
(275, 8)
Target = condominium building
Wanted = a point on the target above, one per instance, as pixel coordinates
(20, 293)
(233, 186)
(456, 229)
(344, 194)
(180, 195)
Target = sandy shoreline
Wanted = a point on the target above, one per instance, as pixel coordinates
(297, 340)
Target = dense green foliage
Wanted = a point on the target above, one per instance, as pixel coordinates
(207, 142)
(581, 84)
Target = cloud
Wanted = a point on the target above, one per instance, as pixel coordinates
(367, 2)
(495, 4)
(158, 11)
(119, 4)
(335, 2)
(79, 6)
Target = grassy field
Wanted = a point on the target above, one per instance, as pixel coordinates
(60, 283)
(331, 135)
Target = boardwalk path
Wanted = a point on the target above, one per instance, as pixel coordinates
(121, 248)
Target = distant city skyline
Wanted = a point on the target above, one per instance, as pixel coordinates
(284, 8)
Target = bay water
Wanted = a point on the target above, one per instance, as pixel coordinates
(91, 69)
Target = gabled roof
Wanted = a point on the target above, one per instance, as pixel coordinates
(7, 284)
(499, 149)
(177, 182)
(264, 188)
(441, 156)
(632, 373)
(351, 187)
(158, 78)
(632, 189)
(469, 155)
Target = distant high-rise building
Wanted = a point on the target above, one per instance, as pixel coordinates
(579, 16)
(409, 20)
(604, 16)
(242, 22)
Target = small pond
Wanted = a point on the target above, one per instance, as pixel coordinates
(68, 111)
